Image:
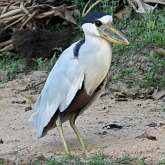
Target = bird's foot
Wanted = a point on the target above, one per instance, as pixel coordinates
(67, 151)
(84, 148)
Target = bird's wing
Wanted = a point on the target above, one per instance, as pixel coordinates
(62, 84)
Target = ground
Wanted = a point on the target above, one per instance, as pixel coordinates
(19, 145)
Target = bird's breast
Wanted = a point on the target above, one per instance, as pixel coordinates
(96, 67)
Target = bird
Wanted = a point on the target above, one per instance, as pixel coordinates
(78, 77)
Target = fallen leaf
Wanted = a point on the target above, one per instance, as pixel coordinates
(160, 52)
(141, 7)
(158, 95)
(144, 93)
(122, 87)
(147, 136)
(64, 13)
(120, 97)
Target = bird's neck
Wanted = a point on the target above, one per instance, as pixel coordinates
(95, 42)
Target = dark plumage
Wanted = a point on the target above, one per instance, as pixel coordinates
(77, 106)
(91, 17)
(77, 47)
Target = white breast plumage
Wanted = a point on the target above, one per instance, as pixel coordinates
(97, 65)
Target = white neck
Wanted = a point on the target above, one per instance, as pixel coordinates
(95, 41)
(95, 55)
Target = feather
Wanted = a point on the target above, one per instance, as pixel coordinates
(62, 84)
(67, 77)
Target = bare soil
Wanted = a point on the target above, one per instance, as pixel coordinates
(18, 144)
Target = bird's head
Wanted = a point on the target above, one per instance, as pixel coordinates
(101, 25)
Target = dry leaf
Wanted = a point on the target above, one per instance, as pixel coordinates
(142, 7)
(62, 12)
(158, 95)
(144, 93)
(121, 87)
(160, 51)
(147, 136)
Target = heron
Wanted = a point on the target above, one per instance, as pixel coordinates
(78, 77)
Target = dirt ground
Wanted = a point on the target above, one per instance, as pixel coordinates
(142, 132)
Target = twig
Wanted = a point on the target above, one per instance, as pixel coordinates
(10, 8)
(6, 20)
(93, 5)
(35, 6)
(15, 22)
(6, 8)
(83, 13)
(10, 13)
(22, 7)
(43, 15)
(7, 48)
(41, 6)
(153, 1)
(29, 18)
(5, 43)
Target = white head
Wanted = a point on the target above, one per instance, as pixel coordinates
(101, 25)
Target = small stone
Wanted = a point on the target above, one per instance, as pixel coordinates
(28, 108)
(1, 141)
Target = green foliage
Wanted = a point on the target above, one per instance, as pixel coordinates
(105, 5)
(144, 33)
(9, 62)
(140, 65)
(142, 161)
(67, 159)
(96, 159)
(162, 162)
(1, 161)
(108, 6)
(44, 64)
(99, 159)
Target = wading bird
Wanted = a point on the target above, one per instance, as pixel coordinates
(77, 77)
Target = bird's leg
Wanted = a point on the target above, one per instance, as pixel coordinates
(74, 127)
(59, 127)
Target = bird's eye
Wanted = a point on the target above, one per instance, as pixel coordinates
(98, 23)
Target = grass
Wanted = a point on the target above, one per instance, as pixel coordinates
(46, 64)
(97, 159)
(8, 61)
(133, 64)
(137, 63)
(14, 65)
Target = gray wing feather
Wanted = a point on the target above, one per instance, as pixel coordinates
(62, 84)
